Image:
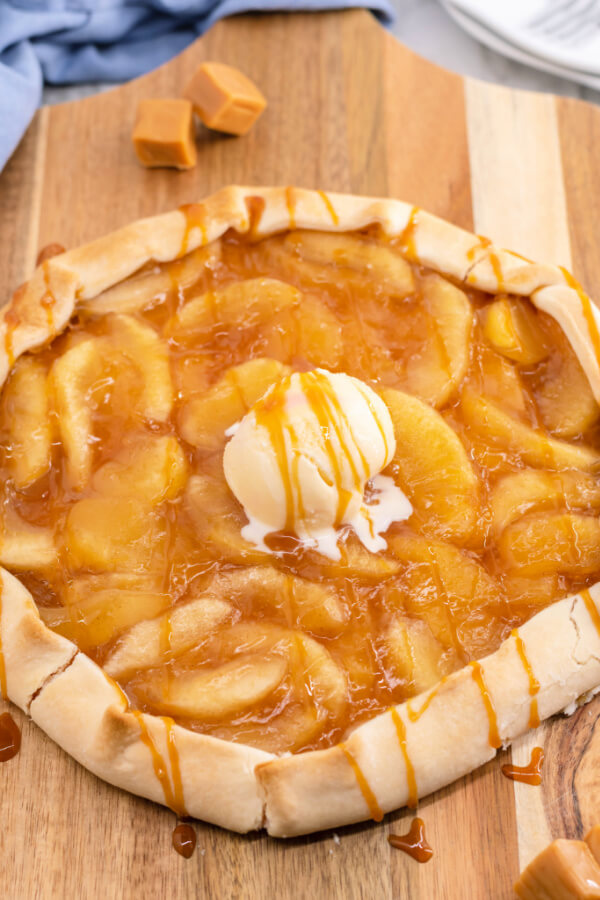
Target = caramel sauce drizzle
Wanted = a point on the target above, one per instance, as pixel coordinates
(407, 238)
(184, 839)
(415, 714)
(494, 737)
(534, 685)
(48, 300)
(375, 810)
(291, 205)
(591, 608)
(10, 737)
(377, 420)
(529, 774)
(414, 843)
(178, 804)
(159, 764)
(166, 633)
(12, 320)
(413, 793)
(195, 217)
(334, 216)
(482, 243)
(323, 401)
(497, 269)
(588, 312)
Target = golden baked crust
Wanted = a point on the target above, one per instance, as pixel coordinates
(395, 757)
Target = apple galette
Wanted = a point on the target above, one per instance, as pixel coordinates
(300, 504)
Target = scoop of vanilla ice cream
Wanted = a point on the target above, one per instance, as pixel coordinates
(300, 459)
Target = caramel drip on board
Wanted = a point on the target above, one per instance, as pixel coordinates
(534, 685)
(195, 217)
(158, 762)
(529, 774)
(414, 843)
(3, 691)
(334, 216)
(10, 737)
(407, 238)
(588, 312)
(494, 737)
(291, 206)
(591, 608)
(413, 793)
(375, 810)
(184, 839)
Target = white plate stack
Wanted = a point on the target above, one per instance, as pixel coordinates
(557, 36)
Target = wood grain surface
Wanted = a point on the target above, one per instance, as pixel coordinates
(350, 109)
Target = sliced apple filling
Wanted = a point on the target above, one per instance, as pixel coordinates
(119, 515)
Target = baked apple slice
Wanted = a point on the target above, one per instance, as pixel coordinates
(516, 495)
(561, 543)
(186, 625)
(150, 468)
(432, 468)
(245, 303)
(414, 656)
(512, 328)
(28, 428)
(204, 419)
(436, 372)
(213, 693)
(522, 442)
(564, 396)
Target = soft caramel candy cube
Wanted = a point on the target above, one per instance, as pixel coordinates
(565, 870)
(224, 98)
(164, 133)
(592, 839)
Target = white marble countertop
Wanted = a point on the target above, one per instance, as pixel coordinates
(425, 27)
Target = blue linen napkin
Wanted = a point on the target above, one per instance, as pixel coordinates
(70, 41)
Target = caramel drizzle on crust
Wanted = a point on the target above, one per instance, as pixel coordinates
(291, 206)
(415, 714)
(588, 312)
(159, 764)
(482, 243)
(3, 691)
(195, 217)
(334, 216)
(374, 808)
(494, 737)
(413, 793)
(178, 805)
(48, 300)
(407, 237)
(534, 685)
(591, 608)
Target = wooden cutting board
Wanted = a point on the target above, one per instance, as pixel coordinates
(350, 109)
